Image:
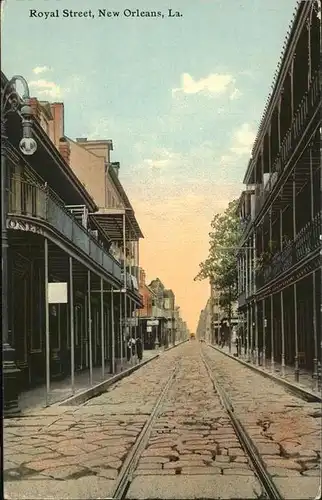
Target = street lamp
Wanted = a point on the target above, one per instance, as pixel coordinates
(11, 102)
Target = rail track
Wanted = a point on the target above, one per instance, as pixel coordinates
(270, 490)
(125, 476)
(126, 472)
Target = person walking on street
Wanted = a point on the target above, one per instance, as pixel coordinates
(128, 348)
(139, 348)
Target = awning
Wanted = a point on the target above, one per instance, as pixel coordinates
(111, 221)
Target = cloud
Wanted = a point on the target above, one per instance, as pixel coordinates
(52, 90)
(241, 146)
(200, 159)
(41, 69)
(101, 128)
(236, 93)
(214, 84)
(243, 140)
(46, 89)
(163, 158)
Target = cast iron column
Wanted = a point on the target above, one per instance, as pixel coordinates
(10, 370)
(11, 102)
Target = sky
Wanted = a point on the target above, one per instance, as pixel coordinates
(181, 98)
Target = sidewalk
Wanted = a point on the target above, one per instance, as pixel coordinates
(33, 399)
(306, 382)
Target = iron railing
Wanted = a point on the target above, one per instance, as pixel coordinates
(305, 110)
(40, 202)
(306, 242)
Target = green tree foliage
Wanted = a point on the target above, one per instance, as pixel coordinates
(220, 267)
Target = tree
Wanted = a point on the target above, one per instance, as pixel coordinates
(220, 267)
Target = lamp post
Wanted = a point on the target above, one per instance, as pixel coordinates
(11, 102)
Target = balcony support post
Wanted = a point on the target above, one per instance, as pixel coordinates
(130, 328)
(292, 86)
(250, 264)
(10, 370)
(102, 329)
(123, 327)
(294, 206)
(281, 230)
(270, 153)
(279, 120)
(315, 337)
(135, 329)
(308, 27)
(264, 335)
(72, 331)
(315, 340)
(138, 258)
(89, 318)
(121, 331)
(296, 357)
(272, 335)
(247, 269)
(256, 333)
(283, 333)
(112, 361)
(248, 335)
(252, 331)
(47, 337)
(254, 262)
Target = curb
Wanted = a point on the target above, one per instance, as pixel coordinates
(98, 389)
(176, 345)
(102, 386)
(302, 393)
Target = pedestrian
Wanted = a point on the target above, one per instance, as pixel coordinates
(128, 348)
(139, 349)
(133, 342)
(237, 345)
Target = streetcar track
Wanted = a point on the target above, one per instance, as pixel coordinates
(125, 475)
(269, 488)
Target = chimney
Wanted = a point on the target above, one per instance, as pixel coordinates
(64, 149)
(116, 167)
(57, 110)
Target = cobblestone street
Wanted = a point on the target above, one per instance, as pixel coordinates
(193, 452)
(285, 429)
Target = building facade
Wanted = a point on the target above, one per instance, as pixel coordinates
(204, 328)
(158, 318)
(91, 162)
(59, 240)
(279, 266)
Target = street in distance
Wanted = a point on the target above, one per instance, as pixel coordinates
(102, 13)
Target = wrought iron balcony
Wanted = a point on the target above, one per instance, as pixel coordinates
(39, 202)
(306, 242)
(308, 105)
(241, 299)
(245, 223)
